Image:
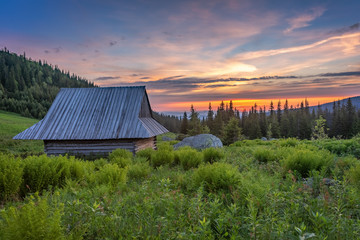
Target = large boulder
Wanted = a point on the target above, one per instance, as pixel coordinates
(200, 141)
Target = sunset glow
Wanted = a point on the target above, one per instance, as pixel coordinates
(196, 52)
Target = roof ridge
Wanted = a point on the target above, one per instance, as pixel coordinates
(105, 87)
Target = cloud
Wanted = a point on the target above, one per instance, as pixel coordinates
(351, 28)
(273, 52)
(304, 20)
(46, 51)
(105, 78)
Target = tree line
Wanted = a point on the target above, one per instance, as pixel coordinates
(282, 121)
(29, 87)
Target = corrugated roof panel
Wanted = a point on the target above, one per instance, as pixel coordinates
(95, 113)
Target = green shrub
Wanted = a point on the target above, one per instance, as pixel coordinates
(121, 162)
(121, 157)
(343, 164)
(288, 142)
(164, 146)
(304, 160)
(212, 155)
(217, 176)
(265, 155)
(188, 157)
(11, 176)
(40, 172)
(139, 170)
(112, 175)
(99, 163)
(354, 175)
(120, 153)
(146, 153)
(34, 220)
(162, 157)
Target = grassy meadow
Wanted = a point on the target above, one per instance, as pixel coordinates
(10, 125)
(252, 189)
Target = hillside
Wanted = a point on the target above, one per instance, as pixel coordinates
(329, 106)
(28, 87)
(12, 124)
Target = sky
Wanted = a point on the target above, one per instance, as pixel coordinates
(196, 52)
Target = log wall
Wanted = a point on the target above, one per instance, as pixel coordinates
(145, 143)
(87, 147)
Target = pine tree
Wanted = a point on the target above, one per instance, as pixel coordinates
(184, 124)
(195, 127)
(210, 118)
(232, 131)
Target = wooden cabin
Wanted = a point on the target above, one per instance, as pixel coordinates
(95, 121)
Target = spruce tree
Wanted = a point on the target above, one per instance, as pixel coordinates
(232, 131)
(184, 124)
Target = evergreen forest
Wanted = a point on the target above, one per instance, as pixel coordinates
(29, 87)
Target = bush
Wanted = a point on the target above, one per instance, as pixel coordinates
(146, 153)
(111, 174)
(304, 160)
(212, 155)
(139, 170)
(343, 164)
(354, 175)
(288, 142)
(265, 155)
(188, 157)
(11, 176)
(34, 220)
(217, 176)
(162, 157)
(121, 157)
(41, 172)
(166, 146)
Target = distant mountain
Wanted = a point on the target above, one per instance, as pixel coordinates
(29, 87)
(329, 106)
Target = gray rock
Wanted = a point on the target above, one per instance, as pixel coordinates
(264, 139)
(166, 138)
(200, 141)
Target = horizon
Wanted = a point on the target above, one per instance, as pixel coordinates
(196, 52)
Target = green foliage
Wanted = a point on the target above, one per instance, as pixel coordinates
(188, 157)
(212, 155)
(41, 172)
(217, 176)
(303, 161)
(34, 220)
(111, 175)
(265, 155)
(140, 169)
(162, 157)
(11, 172)
(354, 175)
(319, 129)
(288, 142)
(234, 198)
(164, 146)
(121, 157)
(146, 153)
(232, 132)
(341, 147)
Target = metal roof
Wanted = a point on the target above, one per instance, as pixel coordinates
(95, 113)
